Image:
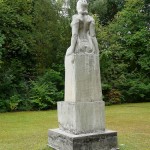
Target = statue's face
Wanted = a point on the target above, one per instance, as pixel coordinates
(82, 6)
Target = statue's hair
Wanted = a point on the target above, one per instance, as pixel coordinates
(80, 4)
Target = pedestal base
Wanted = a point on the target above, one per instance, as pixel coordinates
(81, 117)
(60, 140)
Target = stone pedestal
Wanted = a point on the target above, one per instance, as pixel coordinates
(81, 117)
(82, 78)
(60, 140)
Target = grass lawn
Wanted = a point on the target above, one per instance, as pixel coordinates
(28, 130)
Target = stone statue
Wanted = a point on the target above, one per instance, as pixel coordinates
(83, 31)
(81, 116)
(82, 70)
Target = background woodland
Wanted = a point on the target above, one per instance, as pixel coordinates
(35, 34)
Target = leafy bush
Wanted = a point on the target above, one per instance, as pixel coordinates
(2, 38)
(136, 89)
(14, 102)
(16, 53)
(112, 96)
(30, 44)
(45, 91)
(125, 55)
(4, 105)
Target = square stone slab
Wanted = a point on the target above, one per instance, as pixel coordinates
(60, 140)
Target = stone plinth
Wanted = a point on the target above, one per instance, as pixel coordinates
(60, 140)
(82, 78)
(81, 117)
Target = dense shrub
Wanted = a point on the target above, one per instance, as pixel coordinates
(45, 91)
(125, 54)
(17, 63)
(114, 97)
(29, 41)
(34, 36)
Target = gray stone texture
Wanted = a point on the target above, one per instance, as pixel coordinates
(81, 117)
(60, 140)
(82, 78)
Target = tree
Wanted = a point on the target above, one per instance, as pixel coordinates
(32, 40)
(106, 9)
(16, 52)
(125, 52)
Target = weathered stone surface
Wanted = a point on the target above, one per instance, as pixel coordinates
(82, 73)
(60, 140)
(81, 117)
(82, 78)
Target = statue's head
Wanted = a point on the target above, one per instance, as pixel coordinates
(82, 7)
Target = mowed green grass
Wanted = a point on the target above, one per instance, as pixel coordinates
(28, 130)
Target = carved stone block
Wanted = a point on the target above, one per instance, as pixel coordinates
(60, 140)
(81, 117)
(82, 78)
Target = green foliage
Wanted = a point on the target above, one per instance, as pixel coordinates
(2, 38)
(14, 102)
(51, 33)
(29, 44)
(34, 36)
(45, 91)
(71, 7)
(125, 55)
(4, 106)
(106, 9)
(45, 33)
(136, 88)
(17, 55)
(113, 97)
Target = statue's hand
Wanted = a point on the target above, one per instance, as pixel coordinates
(69, 51)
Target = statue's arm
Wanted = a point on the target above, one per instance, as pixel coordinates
(75, 28)
(93, 35)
